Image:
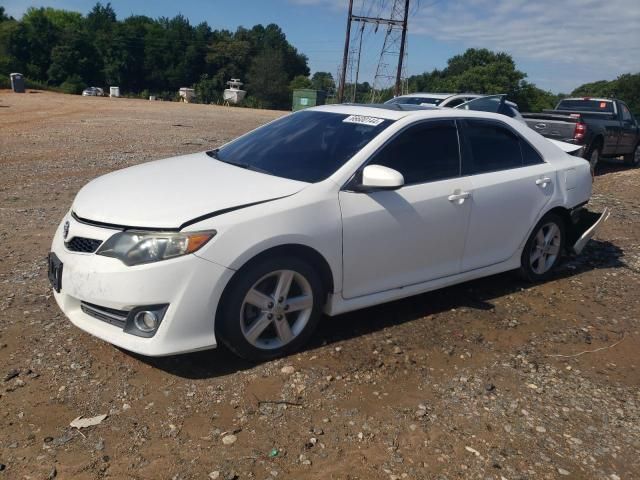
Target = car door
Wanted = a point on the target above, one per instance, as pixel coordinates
(612, 126)
(629, 133)
(511, 184)
(415, 233)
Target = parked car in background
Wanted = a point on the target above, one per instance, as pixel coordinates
(330, 209)
(93, 92)
(493, 103)
(604, 126)
(433, 99)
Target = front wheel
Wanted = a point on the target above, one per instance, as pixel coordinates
(270, 308)
(633, 159)
(543, 249)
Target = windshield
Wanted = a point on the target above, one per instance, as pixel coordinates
(416, 100)
(307, 146)
(586, 105)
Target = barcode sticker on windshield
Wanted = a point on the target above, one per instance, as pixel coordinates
(362, 120)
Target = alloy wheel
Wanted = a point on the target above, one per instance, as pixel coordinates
(276, 309)
(545, 248)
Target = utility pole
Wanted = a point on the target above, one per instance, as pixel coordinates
(398, 89)
(345, 57)
(398, 20)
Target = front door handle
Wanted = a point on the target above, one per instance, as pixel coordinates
(459, 197)
(543, 181)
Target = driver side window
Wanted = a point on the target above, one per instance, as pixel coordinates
(423, 153)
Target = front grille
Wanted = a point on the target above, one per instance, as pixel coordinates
(83, 245)
(109, 315)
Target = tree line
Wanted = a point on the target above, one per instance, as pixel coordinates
(483, 71)
(59, 48)
(67, 50)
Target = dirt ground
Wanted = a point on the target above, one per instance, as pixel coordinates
(485, 380)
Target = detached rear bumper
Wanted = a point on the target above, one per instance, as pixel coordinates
(586, 228)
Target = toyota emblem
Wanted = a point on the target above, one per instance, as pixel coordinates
(65, 230)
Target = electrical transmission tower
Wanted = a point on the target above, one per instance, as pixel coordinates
(388, 72)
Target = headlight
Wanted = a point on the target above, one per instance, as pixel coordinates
(135, 247)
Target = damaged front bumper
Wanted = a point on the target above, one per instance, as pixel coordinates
(586, 227)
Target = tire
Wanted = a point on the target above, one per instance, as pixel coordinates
(593, 155)
(541, 253)
(256, 319)
(633, 159)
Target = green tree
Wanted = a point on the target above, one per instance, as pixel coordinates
(323, 81)
(300, 81)
(267, 80)
(3, 15)
(141, 54)
(207, 90)
(486, 72)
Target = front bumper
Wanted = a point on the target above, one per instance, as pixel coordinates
(190, 285)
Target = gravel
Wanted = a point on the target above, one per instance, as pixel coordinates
(485, 380)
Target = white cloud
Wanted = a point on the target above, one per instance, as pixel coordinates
(574, 41)
(603, 34)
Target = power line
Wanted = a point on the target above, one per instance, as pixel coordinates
(394, 45)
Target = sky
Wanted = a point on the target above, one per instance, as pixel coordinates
(560, 44)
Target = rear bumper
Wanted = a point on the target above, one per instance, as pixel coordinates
(586, 228)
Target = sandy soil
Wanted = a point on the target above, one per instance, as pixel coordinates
(483, 380)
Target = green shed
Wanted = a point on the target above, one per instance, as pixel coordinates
(306, 97)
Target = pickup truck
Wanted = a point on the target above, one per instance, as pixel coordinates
(604, 127)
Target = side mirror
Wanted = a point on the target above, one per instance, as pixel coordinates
(377, 177)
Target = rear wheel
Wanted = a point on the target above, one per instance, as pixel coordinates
(593, 155)
(543, 249)
(271, 308)
(633, 159)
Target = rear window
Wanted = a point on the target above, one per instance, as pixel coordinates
(586, 105)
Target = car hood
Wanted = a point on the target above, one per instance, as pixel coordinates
(167, 194)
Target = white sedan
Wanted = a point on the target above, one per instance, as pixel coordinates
(330, 209)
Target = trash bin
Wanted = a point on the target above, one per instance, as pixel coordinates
(114, 92)
(17, 82)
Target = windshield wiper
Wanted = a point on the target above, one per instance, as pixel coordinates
(246, 166)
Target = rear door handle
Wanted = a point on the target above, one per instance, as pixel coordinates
(459, 197)
(543, 181)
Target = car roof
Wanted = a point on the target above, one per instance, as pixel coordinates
(427, 95)
(396, 112)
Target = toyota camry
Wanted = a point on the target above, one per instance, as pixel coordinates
(327, 210)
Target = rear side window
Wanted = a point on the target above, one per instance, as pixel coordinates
(489, 147)
(626, 114)
(529, 154)
(423, 153)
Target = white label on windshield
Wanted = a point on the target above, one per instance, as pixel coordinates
(362, 120)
